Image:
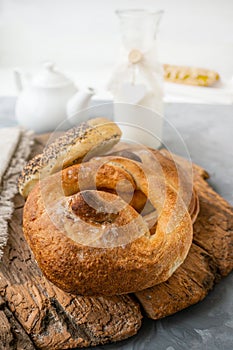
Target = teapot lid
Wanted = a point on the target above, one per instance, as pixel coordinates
(49, 77)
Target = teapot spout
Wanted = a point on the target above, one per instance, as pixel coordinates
(20, 77)
(77, 105)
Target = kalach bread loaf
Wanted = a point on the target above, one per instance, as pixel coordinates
(93, 242)
(111, 225)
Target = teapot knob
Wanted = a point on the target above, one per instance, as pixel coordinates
(49, 66)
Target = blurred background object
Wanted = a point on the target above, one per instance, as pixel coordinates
(190, 75)
(138, 79)
(82, 37)
(49, 100)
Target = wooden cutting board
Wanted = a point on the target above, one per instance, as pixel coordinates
(36, 314)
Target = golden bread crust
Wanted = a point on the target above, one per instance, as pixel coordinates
(58, 225)
(83, 141)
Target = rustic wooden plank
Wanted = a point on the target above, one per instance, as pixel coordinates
(213, 229)
(53, 318)
(210, 257)
(39, 314)
(6, 336)
(12, 335)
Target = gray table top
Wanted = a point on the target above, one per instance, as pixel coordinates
(208, 134)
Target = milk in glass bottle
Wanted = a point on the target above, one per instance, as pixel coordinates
(137, 82)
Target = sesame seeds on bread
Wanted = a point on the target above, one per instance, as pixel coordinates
(77, 144)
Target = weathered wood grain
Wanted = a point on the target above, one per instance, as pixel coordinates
(51, 318)
(36, 314)
(210, 257)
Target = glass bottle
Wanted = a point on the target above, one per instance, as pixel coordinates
(138, 78)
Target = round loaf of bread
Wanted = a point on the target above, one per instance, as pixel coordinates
(96, 136)
(111, 225)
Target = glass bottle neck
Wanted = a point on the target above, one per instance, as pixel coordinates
(138, 28)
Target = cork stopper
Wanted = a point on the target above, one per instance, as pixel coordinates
(135, 56)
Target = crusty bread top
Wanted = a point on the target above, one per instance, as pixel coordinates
(70, 236)
(83, 141)
(111, 224)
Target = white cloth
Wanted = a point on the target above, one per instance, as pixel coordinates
(147, 71)
(9, 138)
(221, 93)
(15, 146)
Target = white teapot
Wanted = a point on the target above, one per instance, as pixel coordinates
(50, 100)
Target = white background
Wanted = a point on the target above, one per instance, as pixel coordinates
(82, 36)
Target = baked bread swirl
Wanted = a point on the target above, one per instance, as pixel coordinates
(90, 138)
(179, 177)
(90, 236)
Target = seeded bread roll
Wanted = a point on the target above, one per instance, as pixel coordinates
(77, 144)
